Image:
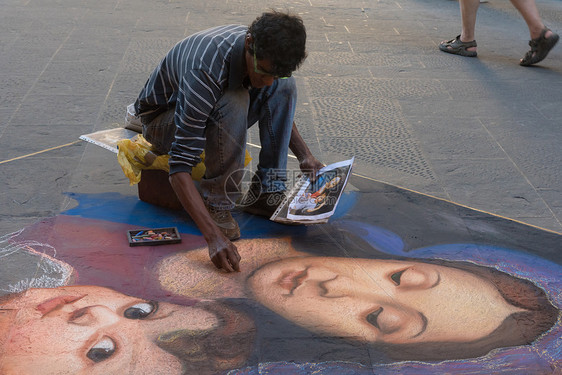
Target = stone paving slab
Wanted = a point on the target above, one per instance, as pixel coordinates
(434, 135)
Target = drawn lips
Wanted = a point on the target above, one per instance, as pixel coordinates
(291, 280)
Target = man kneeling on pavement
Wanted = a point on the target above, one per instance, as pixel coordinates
(203, 96)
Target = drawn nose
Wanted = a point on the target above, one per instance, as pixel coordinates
(335, 287)
(93, 315)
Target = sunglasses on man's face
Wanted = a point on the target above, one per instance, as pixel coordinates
(259, 71)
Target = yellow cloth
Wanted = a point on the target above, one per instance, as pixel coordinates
(134, 156)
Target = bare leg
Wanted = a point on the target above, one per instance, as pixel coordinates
(464, 44)
(468, 18)
(540, 43)
(530, 13)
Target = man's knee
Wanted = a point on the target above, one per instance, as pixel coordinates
(234, 102)
(160, 131)
(286, 86)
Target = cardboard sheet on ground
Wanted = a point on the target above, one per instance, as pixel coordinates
(108, 138)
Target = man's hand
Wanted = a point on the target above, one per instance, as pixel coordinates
(224, 255)
(222, 252)
(310, 165)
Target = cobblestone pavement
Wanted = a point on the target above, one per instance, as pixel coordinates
(457, 287)
(482, 132)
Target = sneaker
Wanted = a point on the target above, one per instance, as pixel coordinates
(132, 121)
(257, 202)
(253, 193)
(225, 222)
(265, 204)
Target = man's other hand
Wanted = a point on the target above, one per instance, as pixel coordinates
(310, 165)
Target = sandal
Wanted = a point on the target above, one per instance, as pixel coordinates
(540, 47)
(458, 47)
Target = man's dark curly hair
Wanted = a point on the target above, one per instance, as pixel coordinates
(280, 38)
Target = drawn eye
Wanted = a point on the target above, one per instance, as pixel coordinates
(141, 310)
(372, 318)
(395, 277)
(102, 350)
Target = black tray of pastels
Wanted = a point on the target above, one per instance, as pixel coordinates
(151, 237)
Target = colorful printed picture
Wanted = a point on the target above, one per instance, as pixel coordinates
(396, 282)
(317, 201)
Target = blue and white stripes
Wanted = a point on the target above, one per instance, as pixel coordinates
(191, 78)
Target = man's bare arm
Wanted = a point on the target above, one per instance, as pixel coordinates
(222, 252)
(307, 162)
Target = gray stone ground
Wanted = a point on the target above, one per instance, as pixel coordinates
(482, 132)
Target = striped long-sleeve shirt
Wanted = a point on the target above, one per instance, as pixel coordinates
(192, 77)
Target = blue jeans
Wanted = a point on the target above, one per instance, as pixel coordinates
(273, 108)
